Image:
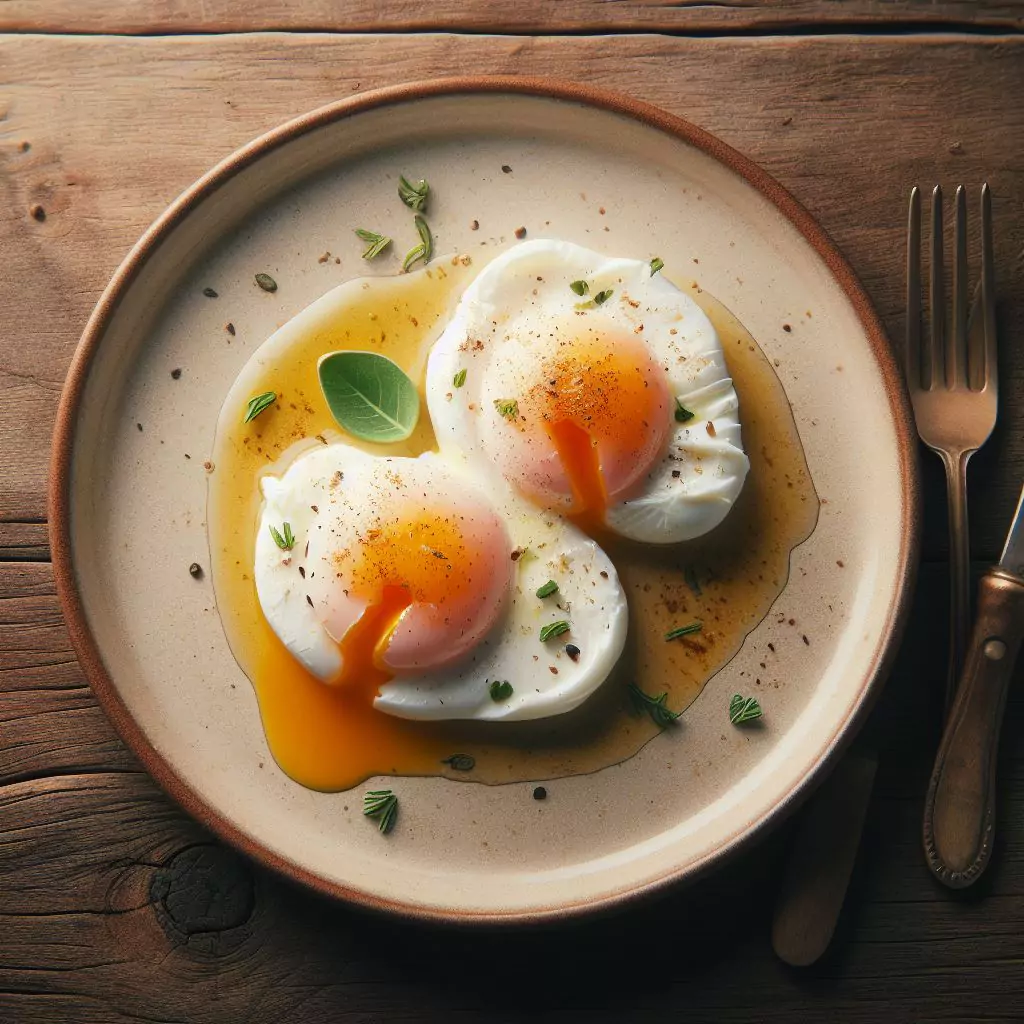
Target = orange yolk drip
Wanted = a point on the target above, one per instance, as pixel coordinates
(411, 559)
(578, 451)
(597, 405)
(363, 646)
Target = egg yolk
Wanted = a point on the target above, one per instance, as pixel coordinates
(592, 418)
(408, 590)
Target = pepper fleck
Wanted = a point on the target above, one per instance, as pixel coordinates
(573, 651)
(475, 226)
(209, 293)
(506, 169)
(230, 328)
(195, 570)
(540, 793)
(176, 373)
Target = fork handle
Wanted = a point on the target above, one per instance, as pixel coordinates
(959, 559)
(959, 813)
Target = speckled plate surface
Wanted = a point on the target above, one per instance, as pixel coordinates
(128, 510)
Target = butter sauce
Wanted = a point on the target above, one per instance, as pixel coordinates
(326, 739)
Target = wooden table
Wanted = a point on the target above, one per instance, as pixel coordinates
(114, 906)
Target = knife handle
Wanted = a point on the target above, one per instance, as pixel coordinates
(959, 811)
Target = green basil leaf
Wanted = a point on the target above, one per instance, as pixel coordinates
(370, 396)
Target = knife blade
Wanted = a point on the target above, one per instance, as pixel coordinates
(1012, 558)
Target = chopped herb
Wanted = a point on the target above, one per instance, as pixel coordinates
(602, 297)
(285, 542)
(381, 804)
(266, 282)
(553, 629)
(573, 651)
(459, 379)
(743, 709)
(682, 413)
(414, 196)
(547, 589)
(500, 689)
(209, 293)
(661, 714)
(675, 634)
(195, 570)
(580, 287)
(507, 407)
(656, 264)
(376, 244)
(424, 250)
(258, 404)
(461, 762)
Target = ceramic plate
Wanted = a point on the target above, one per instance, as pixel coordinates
(128, 509)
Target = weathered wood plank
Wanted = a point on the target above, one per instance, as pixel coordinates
(24, 542)
(533, 16)
(50, 722)
(847, 124)
(116, 907)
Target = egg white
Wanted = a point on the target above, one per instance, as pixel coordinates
(691, 488)
(590, 597)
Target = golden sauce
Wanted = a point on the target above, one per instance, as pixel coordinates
(326, 739)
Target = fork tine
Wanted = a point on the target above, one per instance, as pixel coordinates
(956, 346)
(938, 292)
(912, 349)
(988, 290)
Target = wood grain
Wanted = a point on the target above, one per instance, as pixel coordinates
(116, 907)
(847, 125)
(531, 16)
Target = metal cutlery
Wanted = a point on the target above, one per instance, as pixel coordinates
(952, 378)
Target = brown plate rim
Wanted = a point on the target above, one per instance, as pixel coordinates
(59, 499)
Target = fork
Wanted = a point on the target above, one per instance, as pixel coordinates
(953, 382)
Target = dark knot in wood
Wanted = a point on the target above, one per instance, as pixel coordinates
(202, 893)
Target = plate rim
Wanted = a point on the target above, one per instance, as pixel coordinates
(59, 493)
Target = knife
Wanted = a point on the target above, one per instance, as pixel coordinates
(959, 811)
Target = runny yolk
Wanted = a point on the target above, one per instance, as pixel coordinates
(363, 646)
(415, 557)
(581, 459)
(605, 406)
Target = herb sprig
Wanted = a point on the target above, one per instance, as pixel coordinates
(675, 634)
(381, 804)
(500, 689)
(284, 538)
(258, 403)
(682, 414)
(744, 709)
(507, 407)
(424, 250)
(414, 196)
(376, 244)
(553, 629)
(661, 714)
